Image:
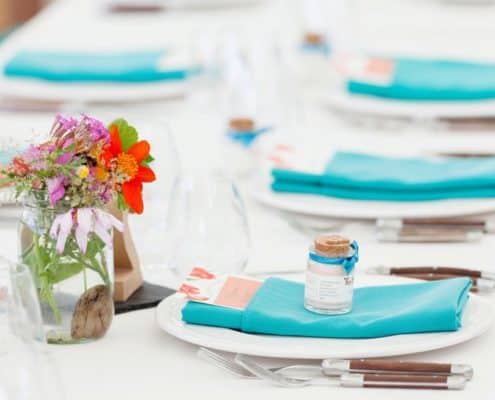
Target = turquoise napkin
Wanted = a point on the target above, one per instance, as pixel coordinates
(124, 67)
(277, 308)
(367, 177)
(416, 79)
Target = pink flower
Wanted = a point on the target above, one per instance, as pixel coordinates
(56, 189)
(61, 228)
(85, 221)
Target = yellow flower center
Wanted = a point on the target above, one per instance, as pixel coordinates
(127, 164)
(83, 171)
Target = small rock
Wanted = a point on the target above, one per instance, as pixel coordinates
(93, 313)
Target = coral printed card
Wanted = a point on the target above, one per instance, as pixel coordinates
(225, 291)
(373, 70)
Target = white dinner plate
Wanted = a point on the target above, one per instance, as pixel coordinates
(331, 207)
(105, 92)
(380, 107)
(477, 318)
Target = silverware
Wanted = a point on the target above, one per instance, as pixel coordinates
(127, 8)
(393, 270)
(420, 235)
(355, 380)
(300, 371)
(478, 285)
(484, 123)
(463, 154)
(487, 225)
(402, 122)
(338, 367)
(335, 367)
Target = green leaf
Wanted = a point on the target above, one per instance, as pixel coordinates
(128, 134)
(121, 204)
(65, 271)
(95, 245)
(148, 160)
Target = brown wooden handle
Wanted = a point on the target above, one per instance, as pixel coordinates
(443, 222)
(437, 277)
(135, 8)
(405, 381)
(396, 366)
(436, 270)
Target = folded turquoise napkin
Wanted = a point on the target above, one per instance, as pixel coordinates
(277, 308)
(125, 67)
(367, 177)
(416, 79)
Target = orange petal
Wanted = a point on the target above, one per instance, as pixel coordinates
(139, 150)
(145, 174)
(115, 142)
(133, 195)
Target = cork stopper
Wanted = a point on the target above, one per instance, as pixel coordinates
(333, 246)
(314, 38)
(241, 124)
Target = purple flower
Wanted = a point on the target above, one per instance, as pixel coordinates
(56, 189)
(97, 129)
(34, 157)
(68, 123)
(64, 158)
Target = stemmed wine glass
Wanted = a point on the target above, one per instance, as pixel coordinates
(206, 226)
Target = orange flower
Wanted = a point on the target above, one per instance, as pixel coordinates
(129, 163)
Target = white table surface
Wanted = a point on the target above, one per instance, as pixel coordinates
(136, 359)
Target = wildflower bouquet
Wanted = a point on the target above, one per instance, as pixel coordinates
(68, 183)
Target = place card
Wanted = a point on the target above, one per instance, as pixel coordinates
(372, 70)
(229, 291)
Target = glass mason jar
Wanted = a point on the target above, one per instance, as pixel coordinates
(75, 288)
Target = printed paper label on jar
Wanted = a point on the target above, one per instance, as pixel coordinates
(327, 289)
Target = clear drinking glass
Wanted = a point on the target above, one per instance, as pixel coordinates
(20, 312)
(27, 370)
(207, 226)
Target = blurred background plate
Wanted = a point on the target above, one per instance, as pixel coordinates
(360, 209)
(114, 93)
(343, 101)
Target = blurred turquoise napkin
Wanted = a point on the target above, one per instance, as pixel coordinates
(416, 79)
(277, 308)
(367, 177)
(124, 67)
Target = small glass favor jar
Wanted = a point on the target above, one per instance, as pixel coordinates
(330, 275)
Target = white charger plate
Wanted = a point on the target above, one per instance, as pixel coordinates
(477, 319)
(380, 107)
(332, 207)
(105, 92)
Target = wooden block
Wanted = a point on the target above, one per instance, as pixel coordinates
(127, 268)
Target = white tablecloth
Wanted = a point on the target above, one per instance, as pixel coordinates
(136, 359)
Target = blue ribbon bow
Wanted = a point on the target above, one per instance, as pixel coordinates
(246, 139)
(347, 263)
